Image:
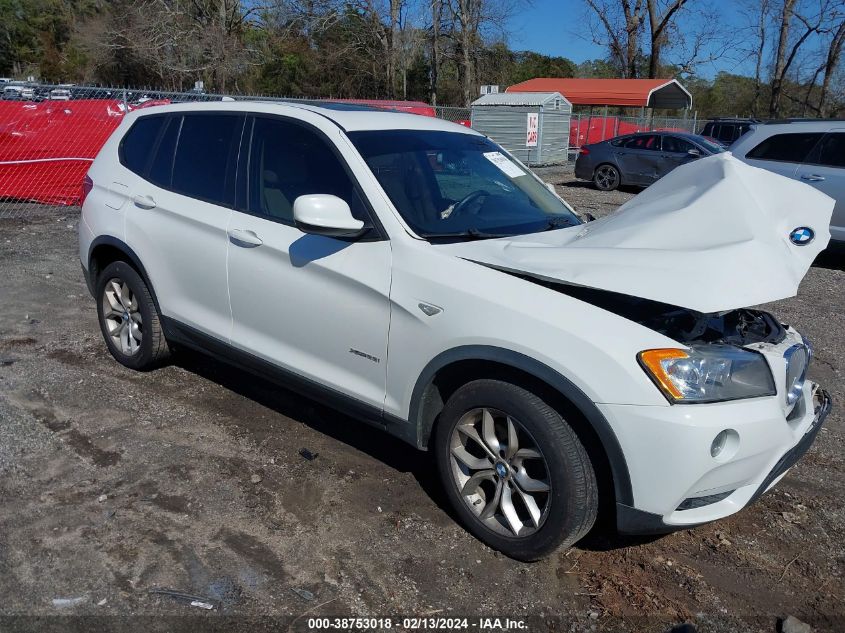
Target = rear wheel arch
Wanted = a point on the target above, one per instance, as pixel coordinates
(452, 369)
(609, 163)
(107, 249)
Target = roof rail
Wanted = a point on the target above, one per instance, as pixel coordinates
(749, 119)
(800, 120)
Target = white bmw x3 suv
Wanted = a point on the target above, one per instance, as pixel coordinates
(411, 272)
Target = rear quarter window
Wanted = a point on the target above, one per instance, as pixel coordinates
(789, 148)
(137, 146)
(161, 168)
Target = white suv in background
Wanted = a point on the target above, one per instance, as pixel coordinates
(412, 273)
(812, 151)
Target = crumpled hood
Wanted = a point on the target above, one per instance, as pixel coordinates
(712, 235)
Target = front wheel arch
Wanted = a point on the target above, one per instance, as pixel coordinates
(454, 368)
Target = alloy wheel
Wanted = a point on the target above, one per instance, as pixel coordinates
(122, 316)
(607, 177)
(500, 472)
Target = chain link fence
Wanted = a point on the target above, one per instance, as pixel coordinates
(586, 128)
(50, 134)
(452, 114)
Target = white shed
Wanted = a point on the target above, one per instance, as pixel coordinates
(533, 126)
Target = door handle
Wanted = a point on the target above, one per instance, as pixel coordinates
(812, 177)
(244, 238)
(144, 202)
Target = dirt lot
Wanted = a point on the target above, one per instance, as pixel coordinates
(115, 483)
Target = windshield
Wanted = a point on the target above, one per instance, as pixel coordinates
(448, 184)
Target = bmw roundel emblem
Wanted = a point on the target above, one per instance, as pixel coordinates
(802, 235)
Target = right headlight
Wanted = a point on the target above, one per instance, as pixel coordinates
(708, 373)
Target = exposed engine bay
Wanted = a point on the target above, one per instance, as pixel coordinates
(742, 326)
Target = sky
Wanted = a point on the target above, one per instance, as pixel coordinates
(559, 27)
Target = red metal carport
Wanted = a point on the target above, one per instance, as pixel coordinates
(664, 94)
(639, 93)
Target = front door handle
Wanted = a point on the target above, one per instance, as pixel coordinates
(144, 202)
(244, 238)
(812, 177)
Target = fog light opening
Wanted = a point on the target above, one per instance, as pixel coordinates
(724, 445)
(718, 444)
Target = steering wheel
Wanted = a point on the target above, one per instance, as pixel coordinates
(465, 205)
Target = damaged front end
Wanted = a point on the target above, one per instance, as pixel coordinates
(712, 236)
(741, 327)
(718, 364)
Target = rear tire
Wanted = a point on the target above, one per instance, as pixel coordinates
(606, 177)
(497, 444)
(129, 320)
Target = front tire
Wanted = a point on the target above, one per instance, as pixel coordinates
(515, 472)
(129, 319)
(606, 177)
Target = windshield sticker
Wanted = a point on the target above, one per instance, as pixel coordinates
(501, 161)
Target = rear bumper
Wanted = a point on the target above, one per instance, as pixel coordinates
(634, 521)
(583, 169)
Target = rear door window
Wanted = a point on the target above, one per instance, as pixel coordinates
(647, 141)
(137, 146)
(788, 148)
(831, 151)
(203, 166)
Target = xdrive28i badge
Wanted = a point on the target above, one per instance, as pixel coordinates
(802, 235)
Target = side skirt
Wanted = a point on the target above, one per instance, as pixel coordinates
(190, 337)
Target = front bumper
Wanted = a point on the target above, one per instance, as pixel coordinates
(632, 520)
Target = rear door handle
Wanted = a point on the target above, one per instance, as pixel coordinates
(244, 238)
(144, 202)
(812, 177)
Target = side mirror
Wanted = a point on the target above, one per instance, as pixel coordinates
(588, 217)
(324, 214)
(694, 152)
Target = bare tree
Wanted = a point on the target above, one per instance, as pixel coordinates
(177, 41)
(472, 21)
(621, 26)
(620, 22)
(434, 62)
(659, 19)
(810, 20)
(780, 66)
(761, 21)
(831, 64)
(408, 41)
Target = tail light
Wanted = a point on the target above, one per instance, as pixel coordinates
(87, 186)
(583, 151)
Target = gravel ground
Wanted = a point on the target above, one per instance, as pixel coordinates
(115, 483)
